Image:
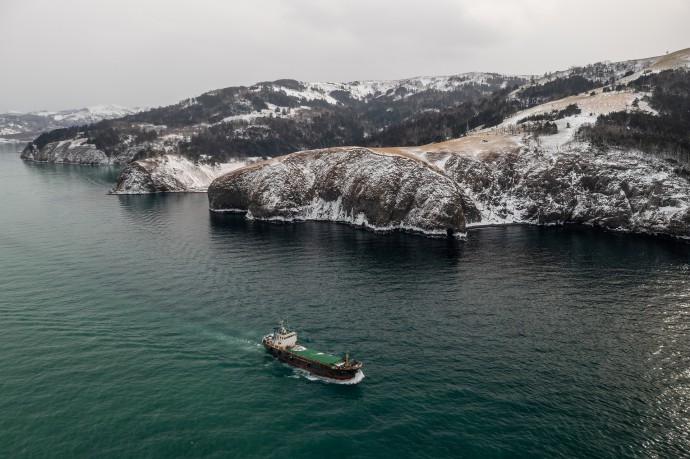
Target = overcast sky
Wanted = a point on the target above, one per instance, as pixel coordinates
(59, 54)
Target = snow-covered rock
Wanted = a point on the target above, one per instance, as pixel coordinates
(374, 190)
(169, 173)
(490, 178)
(68, 151)
(514, 179)
(79, 151)
(618, 190)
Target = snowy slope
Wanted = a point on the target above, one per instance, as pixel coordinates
(89, 114)
(16, 126)
(171, 173)
(623, 71)
(367, 89)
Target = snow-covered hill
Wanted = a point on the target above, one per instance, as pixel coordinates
(90, 114)
(335, 93)
(514, 172)
(526, 158)
(623, 71)
(272, 118)
(24, 127)
(493, 177)
(172, 173)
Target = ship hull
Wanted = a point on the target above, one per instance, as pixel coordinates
(312, 367)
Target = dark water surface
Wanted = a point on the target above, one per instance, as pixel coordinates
(130, 327)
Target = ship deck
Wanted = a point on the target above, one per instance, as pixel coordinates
(312, 354)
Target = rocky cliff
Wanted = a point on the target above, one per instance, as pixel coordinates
(490, 178)
(170, 173)
(375, 190)
(512, 180)
(77, 151)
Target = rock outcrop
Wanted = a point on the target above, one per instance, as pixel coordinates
(77, 152)
(512, 179)
(169, 173)
(485, 179)
(616, 190)
(375, 190)
(69, 151)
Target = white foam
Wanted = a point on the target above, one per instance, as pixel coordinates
(312, 377)
(234, 341)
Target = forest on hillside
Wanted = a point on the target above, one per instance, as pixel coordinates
(396, 118)
(666, 133)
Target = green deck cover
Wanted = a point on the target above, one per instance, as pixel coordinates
(322, 357)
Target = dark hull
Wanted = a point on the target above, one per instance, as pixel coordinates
(311, 367)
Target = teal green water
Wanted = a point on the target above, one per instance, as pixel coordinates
(130, 327)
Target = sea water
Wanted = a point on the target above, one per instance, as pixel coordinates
(130, 326)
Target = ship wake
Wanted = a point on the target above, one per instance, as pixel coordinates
(299, 373)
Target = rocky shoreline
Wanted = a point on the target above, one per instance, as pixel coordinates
(486, 179)
(482, 180)
(77, 151)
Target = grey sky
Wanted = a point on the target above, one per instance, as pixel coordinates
(59, 54)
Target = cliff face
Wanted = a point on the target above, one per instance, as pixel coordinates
(371, 189)
(617, 190)
(513, 179)
(76, 152)
(485, 179)
(169, 173)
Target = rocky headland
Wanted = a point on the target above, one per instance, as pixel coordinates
(77, 151)
(490, 178)
(514, 180)
(362, 187)
(604, 145)
(170, 173)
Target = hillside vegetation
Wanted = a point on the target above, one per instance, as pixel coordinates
(279, 117)
(667, 132)
(283, 116)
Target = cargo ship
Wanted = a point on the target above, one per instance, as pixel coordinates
(282, 344)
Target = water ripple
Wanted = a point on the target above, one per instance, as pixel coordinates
(131, 327)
